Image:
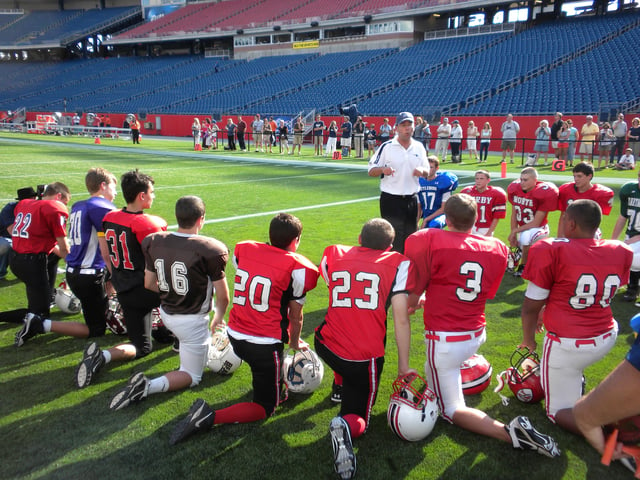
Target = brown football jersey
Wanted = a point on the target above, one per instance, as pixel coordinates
(186, 267)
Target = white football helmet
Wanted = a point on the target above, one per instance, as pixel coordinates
(115, 317)
(221, 358)
(302, 371)
(413, 409)
(66, 301)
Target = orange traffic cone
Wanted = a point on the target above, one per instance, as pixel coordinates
(97, 141)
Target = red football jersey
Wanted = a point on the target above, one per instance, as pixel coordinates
(361, 282)
(544, 197)
(459, 272)
(38, 223)
(600, 194)
(267, 279)
(583, 276)
(124, 232)
(492, 203)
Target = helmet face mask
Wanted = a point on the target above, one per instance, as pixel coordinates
(413, 409)
(115, 317)
(221, 358)
(523, 377)
(303, 371)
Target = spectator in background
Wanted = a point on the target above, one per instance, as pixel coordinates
(442, 142)
(333, 138)
(563, 141)
(284, 137)
(426, 135)
(418, 131)
(542, 133)
(257, 127)
(298, 133)
(384, 132)
(274, 127)
(633, 137)
(485, 141)
(196, 131)
(7, 219)
(266, 135)
(205, 132)
(626, 162)
(358, 137)
(510, 129)
(135, 130)
(346, 129)
(620, 129)
(231, 134)
(607, 139)
(555, 128)
(574, 136)
(241, 128)
(472, 138)
(318, 136)
(589, 133)
(371, 137)
(456, 142)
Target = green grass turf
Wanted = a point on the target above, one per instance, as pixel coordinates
(49, 429)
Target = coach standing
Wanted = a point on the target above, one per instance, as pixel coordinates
(399, 163)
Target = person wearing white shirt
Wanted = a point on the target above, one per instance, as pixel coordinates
(626, 162)
(442, 143)
(400, 163)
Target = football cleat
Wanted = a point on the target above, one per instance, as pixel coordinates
(92, 362)
(344, 460)
(31, 327)
(199, 418)
(523, 377)
(413, 408)
(137, 389)
(302, 371)
(524, 436)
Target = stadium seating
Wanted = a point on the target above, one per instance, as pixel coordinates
(531, 71)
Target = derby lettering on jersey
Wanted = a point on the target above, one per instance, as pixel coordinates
(634, 202)
(483, 200)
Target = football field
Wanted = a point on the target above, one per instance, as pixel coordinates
(51, 430)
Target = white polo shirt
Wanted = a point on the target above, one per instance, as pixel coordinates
(404, 161)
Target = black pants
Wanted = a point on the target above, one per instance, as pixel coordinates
(265, 362)
(232, 142)
(135, 135)
(136, 307)
(360, 381)
(484, 151)
(241, 144)
(89, 288)
(401, 211)
(617, 150)
(455, 151)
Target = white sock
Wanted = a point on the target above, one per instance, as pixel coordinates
(158, 385)
(107, 356)
(46, 325)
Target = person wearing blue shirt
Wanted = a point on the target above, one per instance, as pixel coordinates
(435, 190)
(345, 140)
(86, 266)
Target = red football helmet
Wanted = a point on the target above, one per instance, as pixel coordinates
(476, 374)
(523, 377)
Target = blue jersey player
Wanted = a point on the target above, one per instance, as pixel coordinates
(86, 267)
(435, 190)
